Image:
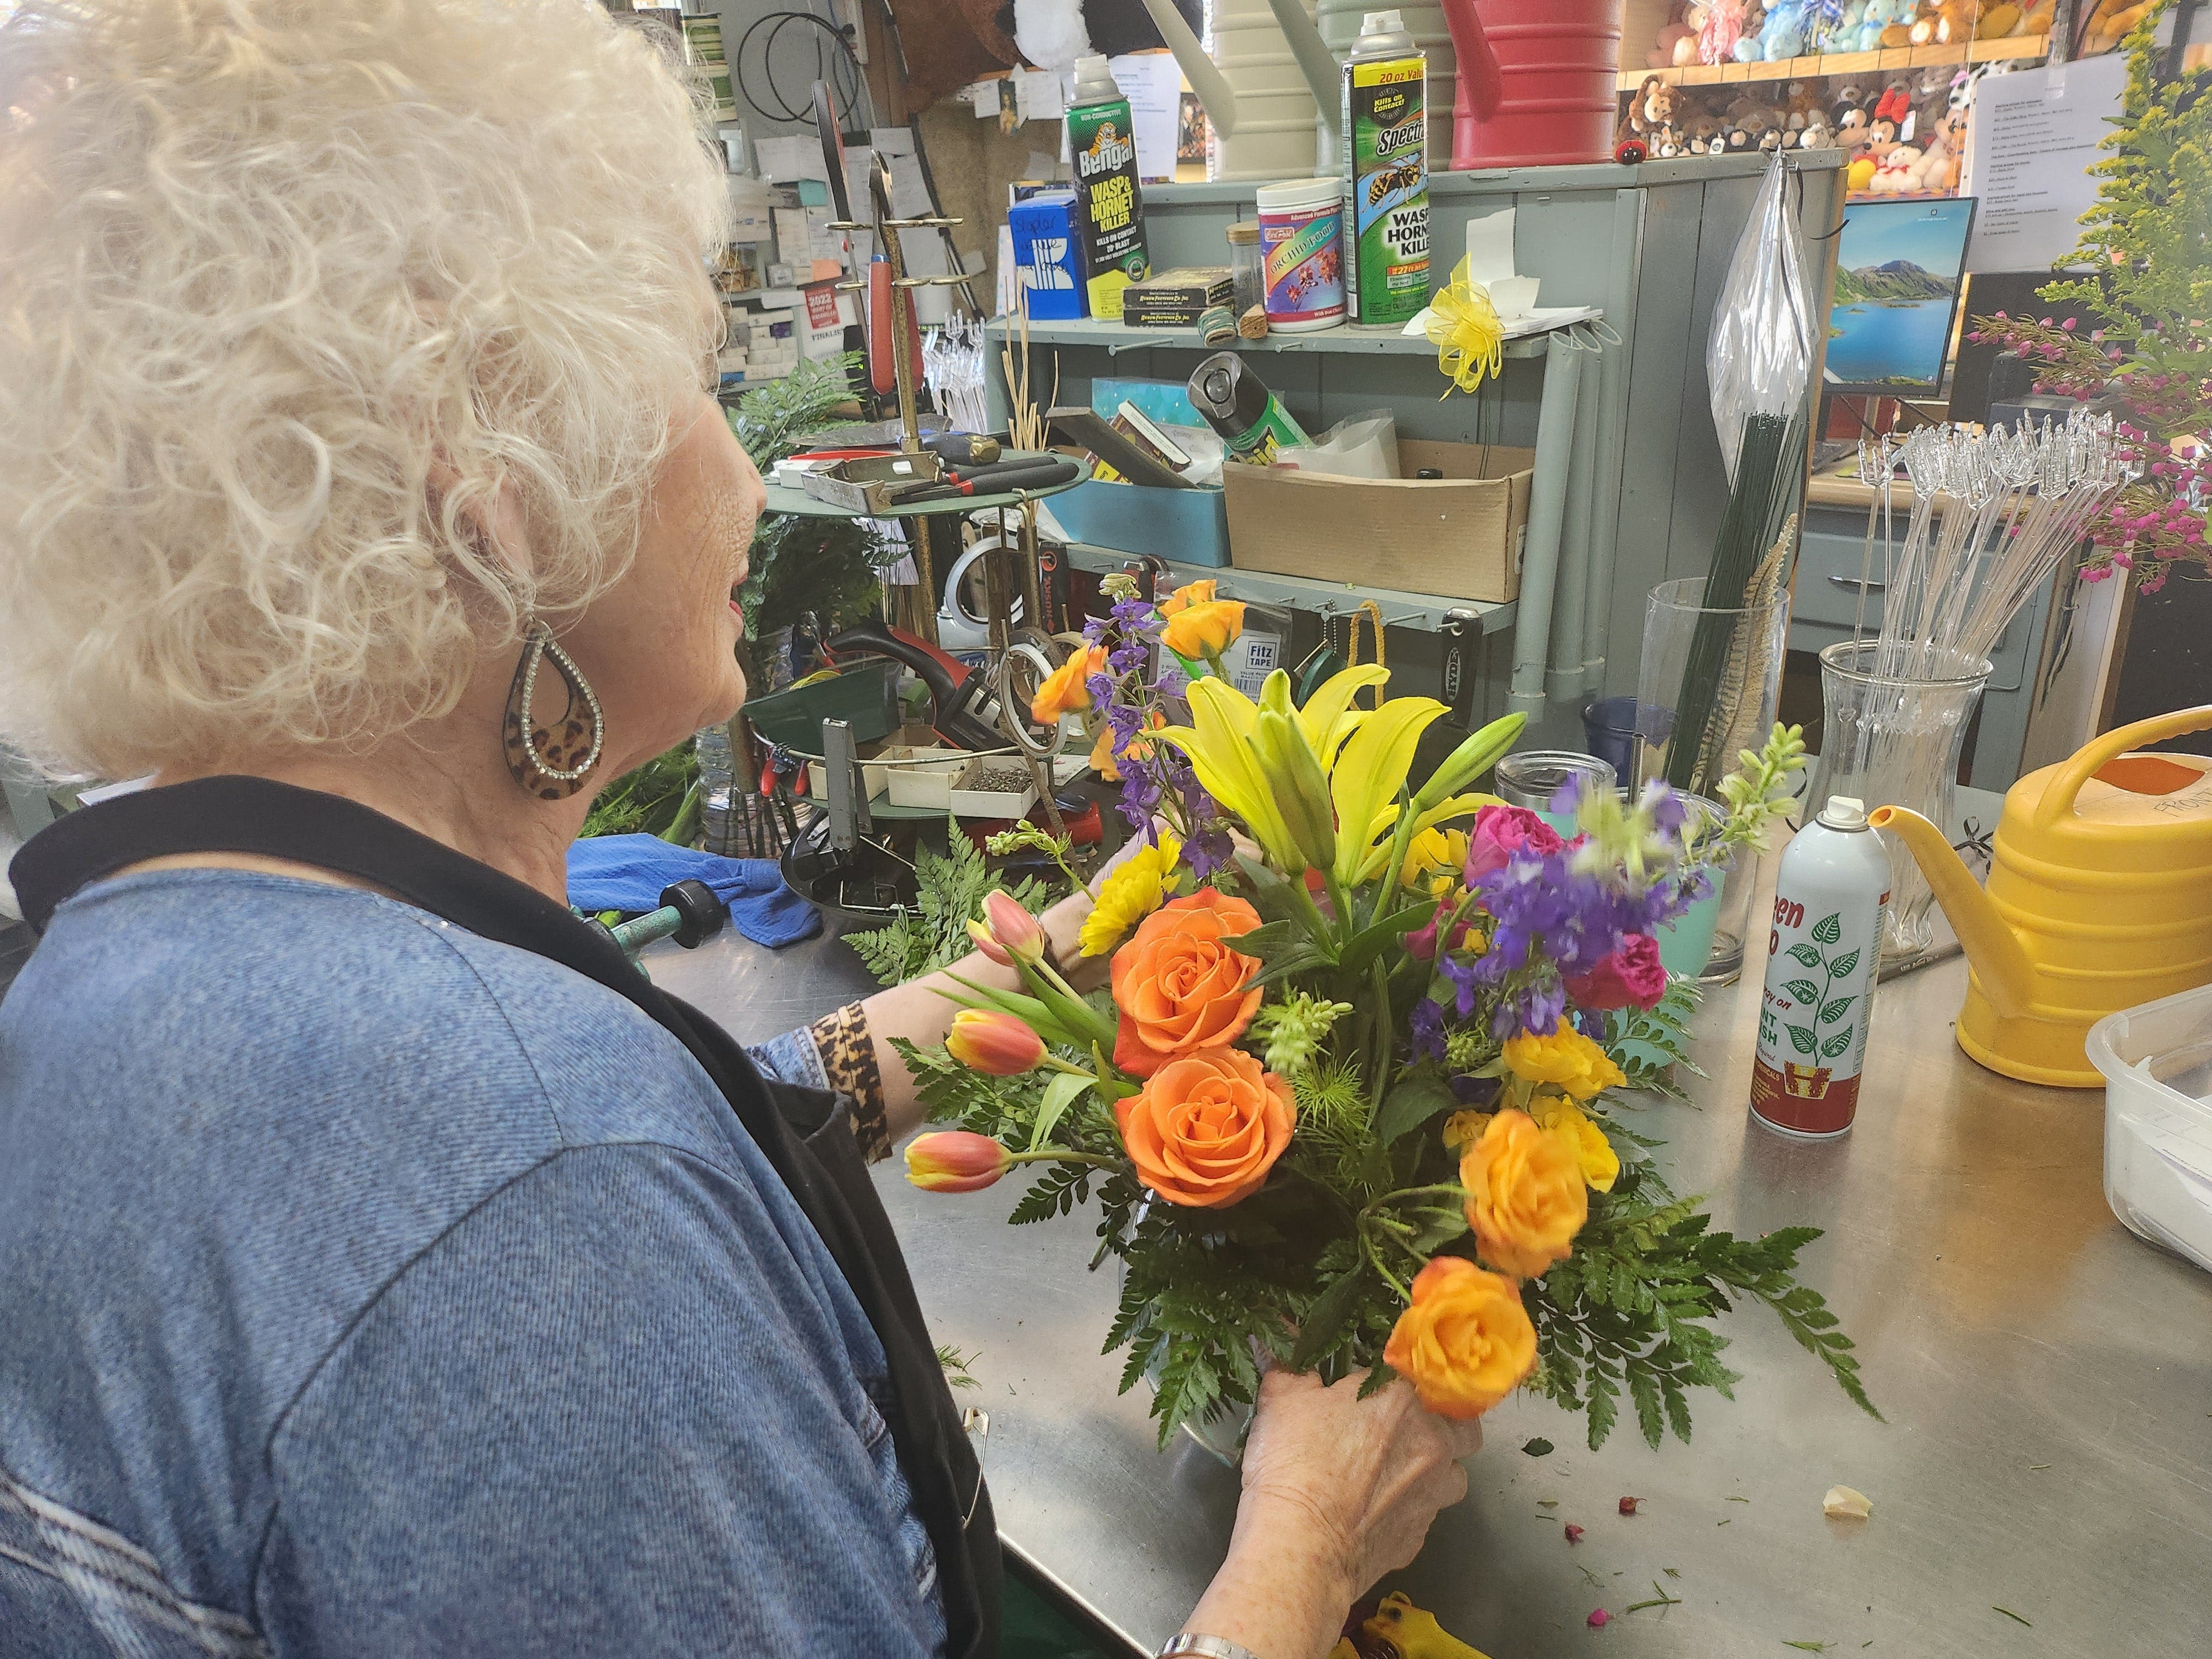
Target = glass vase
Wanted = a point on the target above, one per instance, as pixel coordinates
(1894, 740)
(1716, 668)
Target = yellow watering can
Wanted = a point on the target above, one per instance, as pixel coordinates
(2099, 897)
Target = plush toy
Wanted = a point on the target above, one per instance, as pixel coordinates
(1723, 27)
(1945, 22)
(1661, 55)
(1817, 134)
(1894, 174)
(1783, 34)
(1704, 134)
(1653, 107)
(1850, 132)
(1859, 175)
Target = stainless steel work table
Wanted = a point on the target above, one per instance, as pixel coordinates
(2047, 1379)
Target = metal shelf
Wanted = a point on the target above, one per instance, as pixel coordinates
(1426, 612)
(783, 498)
(1116, 337)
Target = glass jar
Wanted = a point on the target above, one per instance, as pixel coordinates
(1531, 777)
(1894, 740)
(1245, 270)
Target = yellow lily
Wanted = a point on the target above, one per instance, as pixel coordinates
(1370, 770)
(1219, 742)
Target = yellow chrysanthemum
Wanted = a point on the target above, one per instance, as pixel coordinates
(1132, 893)
(1600, 1163)
(1566, 1059)
(1442, 852)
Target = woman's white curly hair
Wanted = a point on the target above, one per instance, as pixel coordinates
(267, 268)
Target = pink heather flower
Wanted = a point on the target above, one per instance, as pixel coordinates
(1501, 831)
(1631, 974)
(1599, 1619)
(1574, 1532)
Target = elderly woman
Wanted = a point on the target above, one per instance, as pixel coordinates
(386, 1268)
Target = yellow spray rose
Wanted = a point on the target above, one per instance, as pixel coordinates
(1130, 894)
(1600, 1163)
(1525, 1196)
(1466, 1342)
(1566, 1059)
(1462, 1130)
(1190, 593)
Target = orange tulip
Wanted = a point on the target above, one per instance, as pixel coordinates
(955, 1161)
(993, 1042)
(1017, 934)
(1067, 690)
(1466, 1342)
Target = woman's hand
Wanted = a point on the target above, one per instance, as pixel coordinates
(1338, 1491)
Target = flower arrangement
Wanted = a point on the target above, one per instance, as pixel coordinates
(1355, 1100)
(2148, 237)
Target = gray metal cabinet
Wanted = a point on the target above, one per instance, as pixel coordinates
(1647, 245)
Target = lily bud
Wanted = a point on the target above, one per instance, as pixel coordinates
(1016, 930)
(955, 1161)
(1468, 762)
(993, 1042)
(1295, 780)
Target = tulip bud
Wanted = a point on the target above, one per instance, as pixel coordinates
(1017, 932)
(1301, 793)
(955, 1161)
(988, 945)
(993, 1043)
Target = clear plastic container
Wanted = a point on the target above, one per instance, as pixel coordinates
(2157, 1062)
(1245, 265)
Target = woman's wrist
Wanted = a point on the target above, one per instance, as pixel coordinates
(1286, 1586)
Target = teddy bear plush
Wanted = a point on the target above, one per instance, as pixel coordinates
(1945, 22)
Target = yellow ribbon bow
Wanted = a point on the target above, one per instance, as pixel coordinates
(1463, 327)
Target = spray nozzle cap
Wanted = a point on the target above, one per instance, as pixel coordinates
(1382, 22)
(1845, 812)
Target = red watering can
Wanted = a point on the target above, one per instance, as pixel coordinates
(1536, 80)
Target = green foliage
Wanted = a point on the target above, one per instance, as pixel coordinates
(659, 799)
(1650, 1045)
(950, 888)
(1626, 1314)
(799, 563)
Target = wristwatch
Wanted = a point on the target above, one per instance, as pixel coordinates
(1213, 1647)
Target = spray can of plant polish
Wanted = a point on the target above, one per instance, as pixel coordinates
(1822, 953)
(1386, 175)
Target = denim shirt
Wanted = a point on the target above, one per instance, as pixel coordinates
(368, 1287)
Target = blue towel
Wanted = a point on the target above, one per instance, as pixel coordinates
(627, 872)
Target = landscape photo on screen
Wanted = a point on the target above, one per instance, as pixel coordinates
(1898, 275)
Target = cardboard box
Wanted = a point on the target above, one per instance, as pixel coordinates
(1175, 299)
(1460, 536)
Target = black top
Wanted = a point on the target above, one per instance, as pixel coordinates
(805, 1135)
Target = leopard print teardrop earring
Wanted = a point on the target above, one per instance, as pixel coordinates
(553, 764)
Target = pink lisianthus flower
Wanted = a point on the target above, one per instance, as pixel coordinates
(1501, 831)
(1631, 974)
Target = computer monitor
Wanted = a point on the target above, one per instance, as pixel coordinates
(1898, 270)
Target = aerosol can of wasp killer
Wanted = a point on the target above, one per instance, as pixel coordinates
(1384, 121)
(1109, 209)
(1822, 951)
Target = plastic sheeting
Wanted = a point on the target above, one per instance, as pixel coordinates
(1761, 351)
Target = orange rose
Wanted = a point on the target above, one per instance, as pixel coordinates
(1178, 986)
(1207, 1127)
(1191, 593)
(1067, 690)
(1525, 1196)
(1466, 1342)
(1204, 629)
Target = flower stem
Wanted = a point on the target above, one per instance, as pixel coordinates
(1061, 1155)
